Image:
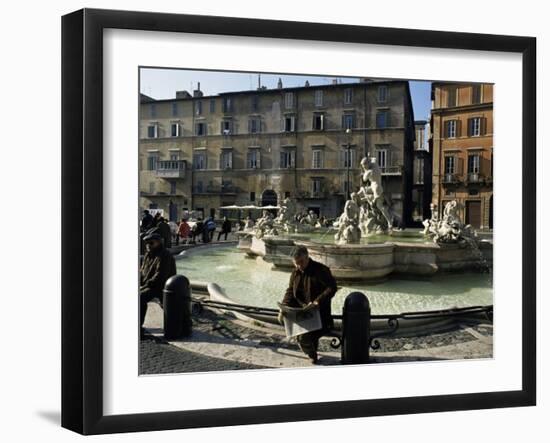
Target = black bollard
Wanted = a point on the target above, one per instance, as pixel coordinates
(355, 329)
(177, 307)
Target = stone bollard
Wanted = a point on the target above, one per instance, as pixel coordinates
(177, 307)
(355, 329)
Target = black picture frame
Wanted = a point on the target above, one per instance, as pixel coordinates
(82, 154)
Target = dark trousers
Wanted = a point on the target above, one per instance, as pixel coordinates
(220, 234)
(144, 298)
(309, 342)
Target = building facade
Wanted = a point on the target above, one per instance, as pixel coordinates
(462, 140)
(257, 147)
(422, 173)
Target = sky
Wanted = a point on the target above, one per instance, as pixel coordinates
(163, 84)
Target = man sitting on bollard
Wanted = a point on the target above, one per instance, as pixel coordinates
(157, 267)
(311, 285)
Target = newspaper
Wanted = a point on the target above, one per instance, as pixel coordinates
(298, 321)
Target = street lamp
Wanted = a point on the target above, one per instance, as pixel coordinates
(348, 162)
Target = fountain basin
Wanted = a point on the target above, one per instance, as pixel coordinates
(373, 261)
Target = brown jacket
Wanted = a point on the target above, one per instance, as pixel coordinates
(318, 285)
(158, 266)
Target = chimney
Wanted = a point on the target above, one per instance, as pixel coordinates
(197, 92)
(183, 94)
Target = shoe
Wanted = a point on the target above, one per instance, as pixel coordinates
(313, 359)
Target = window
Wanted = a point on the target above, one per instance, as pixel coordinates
(152, 131)
(450, 129)
(174, 156)
(152, 162)
(200, 128)
(473, 164)
(450, 164)
(152, 189)
(199, 161)
(226, 127)
(317, 159)
(254, 101)
(474, 127)
(227, 104)
(212, 106)
(382, 94)
(252, 196)
(253, 159)
(289, 100)
(382, 158)
(289, 123)
(316, 186)
(348, 96)
(173, 188)
(318, 122)
(287, 159)
(198, 107)
(382, 119)
(348, 121)
(476, 94)
(347, 157)
(451, 96)
(287, 194)
(153, 110)
(175, 129)
(174, 109)
(226, 161)
(254, 125)
(319, 98)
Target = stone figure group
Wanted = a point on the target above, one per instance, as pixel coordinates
(448, 228)
(367, 211)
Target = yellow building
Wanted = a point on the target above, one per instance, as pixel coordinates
(462, 139)
(257, 147)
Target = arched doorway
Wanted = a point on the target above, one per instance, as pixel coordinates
(269, 197)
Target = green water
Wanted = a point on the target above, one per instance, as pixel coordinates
(253, 282)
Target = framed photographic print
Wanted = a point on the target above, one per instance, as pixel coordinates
(312, 220)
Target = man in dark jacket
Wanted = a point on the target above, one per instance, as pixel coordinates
(157, 267)
(165, 232)
(311, 285)
(226, 228)
(146, 221)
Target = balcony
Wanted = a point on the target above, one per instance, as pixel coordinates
(391, 170)
(451, 178)
(171, 169)
(216, 189)
(474, 177)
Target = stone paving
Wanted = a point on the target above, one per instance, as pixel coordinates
(222, 342)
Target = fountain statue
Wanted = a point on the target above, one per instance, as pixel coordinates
(367, 210)
(265, 225)
(347, 224)
(286, 217)
(448, 229)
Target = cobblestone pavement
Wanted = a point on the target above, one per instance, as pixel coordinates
(221, 342)
(156, 356)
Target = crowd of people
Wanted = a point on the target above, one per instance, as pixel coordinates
(186, 232)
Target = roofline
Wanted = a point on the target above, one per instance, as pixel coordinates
(274, 90)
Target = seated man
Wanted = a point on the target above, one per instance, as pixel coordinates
(311, 285)
(157, 267)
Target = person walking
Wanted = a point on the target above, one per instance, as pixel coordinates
(157, 267)
(146, 221)
(183, 231)
(311, 286)
(165, 232)
(226, 228)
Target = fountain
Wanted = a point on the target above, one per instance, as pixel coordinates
(367, 245)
